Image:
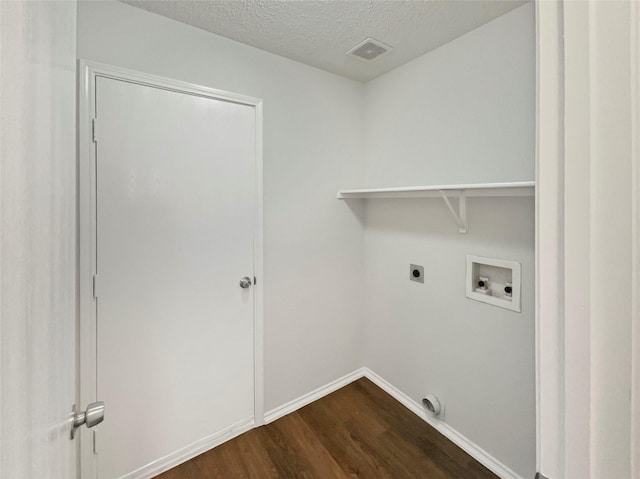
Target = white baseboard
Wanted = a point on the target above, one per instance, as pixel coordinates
(308, 398)
(480, 455)
(203, 445)
(192, 450)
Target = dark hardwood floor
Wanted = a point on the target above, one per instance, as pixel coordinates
(358, 431)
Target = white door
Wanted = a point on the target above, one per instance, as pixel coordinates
(175, 209)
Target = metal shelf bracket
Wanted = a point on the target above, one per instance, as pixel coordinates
(460, 217)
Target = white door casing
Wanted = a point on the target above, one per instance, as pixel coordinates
(549, 247)
(588, 239)
(166, 181)
(635, 166)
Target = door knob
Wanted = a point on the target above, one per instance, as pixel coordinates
(93, 416)
(245, 282)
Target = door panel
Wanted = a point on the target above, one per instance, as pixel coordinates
(175, 217)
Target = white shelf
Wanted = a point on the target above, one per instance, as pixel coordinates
(522, 188)
(462, 192)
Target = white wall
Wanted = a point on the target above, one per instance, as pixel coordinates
(312, 147)
(37, 238)
(611, 190)
(461, 114)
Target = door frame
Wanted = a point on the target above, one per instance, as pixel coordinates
(549, 351)
(635, 311)
(571, 411)
(88, 72)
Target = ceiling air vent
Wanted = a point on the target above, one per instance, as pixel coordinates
(369, 50)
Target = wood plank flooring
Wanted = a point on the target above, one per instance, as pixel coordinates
(358, 431)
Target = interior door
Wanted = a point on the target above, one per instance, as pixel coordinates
(175, 207)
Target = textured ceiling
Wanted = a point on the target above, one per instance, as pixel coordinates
(319, 32)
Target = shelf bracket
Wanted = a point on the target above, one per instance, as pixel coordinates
(460, 216)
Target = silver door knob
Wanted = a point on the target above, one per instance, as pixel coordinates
(245, 282)
(93, 416)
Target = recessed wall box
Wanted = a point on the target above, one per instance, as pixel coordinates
(494, 281)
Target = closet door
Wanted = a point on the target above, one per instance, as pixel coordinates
(175, 205)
